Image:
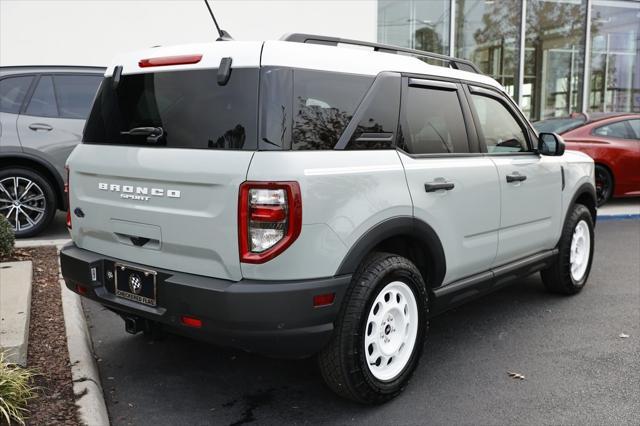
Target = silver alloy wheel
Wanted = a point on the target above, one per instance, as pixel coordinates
(391, 331)
(22, 202)
(580, 250)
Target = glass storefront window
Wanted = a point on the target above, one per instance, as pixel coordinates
(615, 56)
(554, 58)
(419, 24)
(487, 32)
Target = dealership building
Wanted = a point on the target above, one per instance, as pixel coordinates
(553, 56)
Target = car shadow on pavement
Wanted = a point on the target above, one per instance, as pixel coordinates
(569, 353)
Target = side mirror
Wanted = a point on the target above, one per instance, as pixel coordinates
(550, 144)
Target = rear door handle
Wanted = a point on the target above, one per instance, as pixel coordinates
(436, 186)
(40, 126)
(516, 178)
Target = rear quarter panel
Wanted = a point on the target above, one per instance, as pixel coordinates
(344, 194)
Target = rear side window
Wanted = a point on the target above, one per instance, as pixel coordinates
(12, 93)
(433, 122)
(43, 100)
(190, 107)
(635, 126)
(323, 105)
(618, 130)
(75, 94)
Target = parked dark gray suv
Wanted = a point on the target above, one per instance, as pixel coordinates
(42, 114)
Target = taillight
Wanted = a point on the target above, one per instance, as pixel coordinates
(269, 219)
(66, 194)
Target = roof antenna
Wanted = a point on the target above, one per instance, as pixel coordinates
(224, 36)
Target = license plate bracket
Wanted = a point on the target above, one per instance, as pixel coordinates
(136, 284)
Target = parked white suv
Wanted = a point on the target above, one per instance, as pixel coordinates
(301, 197)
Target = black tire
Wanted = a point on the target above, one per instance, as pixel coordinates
(46, 203)
(343, 362)
(558, 278)
(604, 184)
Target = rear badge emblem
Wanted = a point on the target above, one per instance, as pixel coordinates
(135, 283)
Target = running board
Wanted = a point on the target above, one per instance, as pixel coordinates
(461, 291)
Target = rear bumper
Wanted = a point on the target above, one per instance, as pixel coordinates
(272, 318)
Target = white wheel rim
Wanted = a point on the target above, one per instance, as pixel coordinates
(580, 250)
(390, 331)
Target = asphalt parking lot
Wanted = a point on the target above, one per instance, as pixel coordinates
(577, 368)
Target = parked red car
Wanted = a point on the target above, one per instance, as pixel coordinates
(612, 140)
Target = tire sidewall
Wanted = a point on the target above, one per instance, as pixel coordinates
(47, 190)
(419, 293)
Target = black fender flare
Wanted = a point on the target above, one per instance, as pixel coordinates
(58, 180)
(585, 188)
(407, 226)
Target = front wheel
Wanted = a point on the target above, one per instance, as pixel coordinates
(380, 331)
(569, 272)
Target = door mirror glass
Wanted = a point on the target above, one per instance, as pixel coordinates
(550, 144)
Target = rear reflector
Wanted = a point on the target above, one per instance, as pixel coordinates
(191, 321)
(81, 290)
(323, 299)
(169, 60)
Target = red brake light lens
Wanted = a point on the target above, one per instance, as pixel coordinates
(191, 321)
(169, 60)
(269, 219)
(66, 194)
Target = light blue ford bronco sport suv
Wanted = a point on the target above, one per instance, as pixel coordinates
(302, 198)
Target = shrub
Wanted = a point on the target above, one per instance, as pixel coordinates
(6, 237)
(15, 392)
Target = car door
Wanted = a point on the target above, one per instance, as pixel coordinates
(530, 184)
(13, 90)
(454, 188)
(53, 120)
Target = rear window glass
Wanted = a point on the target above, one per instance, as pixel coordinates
(12, 92)
(190, 108)
(75, 94)
(43, 100)
(323, 105)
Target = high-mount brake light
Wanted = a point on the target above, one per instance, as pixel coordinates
(269, 219)
(66, 194)
(165, 61)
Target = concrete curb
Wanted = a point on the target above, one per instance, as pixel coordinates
(92, 409)
(16, 279)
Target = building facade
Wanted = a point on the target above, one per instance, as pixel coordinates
(554, 57)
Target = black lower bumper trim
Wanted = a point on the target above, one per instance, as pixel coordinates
(272, 318)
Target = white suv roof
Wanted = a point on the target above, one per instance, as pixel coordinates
(345, 59)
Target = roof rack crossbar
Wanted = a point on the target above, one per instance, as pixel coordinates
(450, 61)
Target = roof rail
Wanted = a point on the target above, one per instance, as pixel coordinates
(455, 63)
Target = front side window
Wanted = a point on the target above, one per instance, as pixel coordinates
(618, 130)
(189, 107)
(432, 122)
(502, 133)
(12, 93)
(75, 94)
(323, 105)
(43, 100)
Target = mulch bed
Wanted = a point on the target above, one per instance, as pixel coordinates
(47, 353)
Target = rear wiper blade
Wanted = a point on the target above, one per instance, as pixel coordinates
(153, 134)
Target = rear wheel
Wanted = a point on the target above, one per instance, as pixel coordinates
(604, 184)
(380, 331)
(27, 200)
